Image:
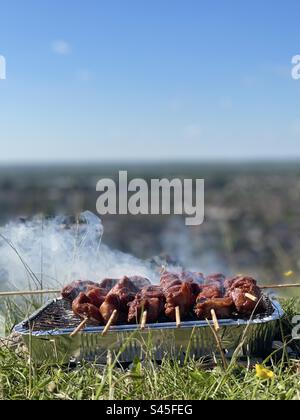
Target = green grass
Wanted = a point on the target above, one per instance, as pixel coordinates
(20, 379)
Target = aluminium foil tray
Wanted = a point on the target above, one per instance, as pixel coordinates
(47, 334)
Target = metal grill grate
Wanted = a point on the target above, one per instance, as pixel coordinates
(58, 315)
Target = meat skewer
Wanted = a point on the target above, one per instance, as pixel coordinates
(240, 294)
(72, 290)
(85, 306)
(57, 291)
(280, 286)
(222, 307)
(134, 299)
(150, 299)
(246, 295)
(180, 291)
(29, 293)
(118, 299)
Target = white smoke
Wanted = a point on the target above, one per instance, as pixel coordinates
(191, 247)
(49, 253)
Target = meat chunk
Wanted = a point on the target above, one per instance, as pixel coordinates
(96, 295)
(238, 287)
(210, 291)
(117, 299)
(72, 290)
(223, 307)
(180, 290)
(108, 283)
(150, 299)
(83, 307)
(216, 278)
(138, 281)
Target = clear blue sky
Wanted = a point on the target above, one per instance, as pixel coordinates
(149, 79)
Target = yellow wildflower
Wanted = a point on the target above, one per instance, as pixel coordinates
(289, 273)
(263, 373)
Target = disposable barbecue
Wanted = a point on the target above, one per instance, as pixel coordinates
(132, 304)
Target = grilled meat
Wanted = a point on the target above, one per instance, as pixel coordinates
(212, 297)
(83, 307)
(118, 298)
(108, 283)
(96, 295)
(138, 281)
(237, 289)
(213, 291)
(223, 307)
(190, 291)
(180, 290)
(150, 299)
(72, 290)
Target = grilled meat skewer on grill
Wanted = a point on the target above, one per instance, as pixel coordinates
(150, 299)
(238, 288)
(228, 297)
(96, 295)
(223, 307)
(178, 293)
(72, 290)
(211, 298)
(118, 298)
(180, 290)
(138, 281)
(83, 306)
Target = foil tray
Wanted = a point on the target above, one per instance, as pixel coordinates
(49, 341)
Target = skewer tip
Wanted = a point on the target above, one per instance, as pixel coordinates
(79, 328)
(215, 320)
(144, 320)
(178, 318)
(251, 297)
(110, 322)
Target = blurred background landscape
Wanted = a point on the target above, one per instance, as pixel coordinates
(251, 212)
(159, 82)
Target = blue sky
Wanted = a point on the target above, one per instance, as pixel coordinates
(149, 79)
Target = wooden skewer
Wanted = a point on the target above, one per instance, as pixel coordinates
(56, 291)
(144, 320)
(80, 327)
(251, 297)
(215, 320)
(279, 286)
(178, 318)
(110, 322)
(29, 293)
